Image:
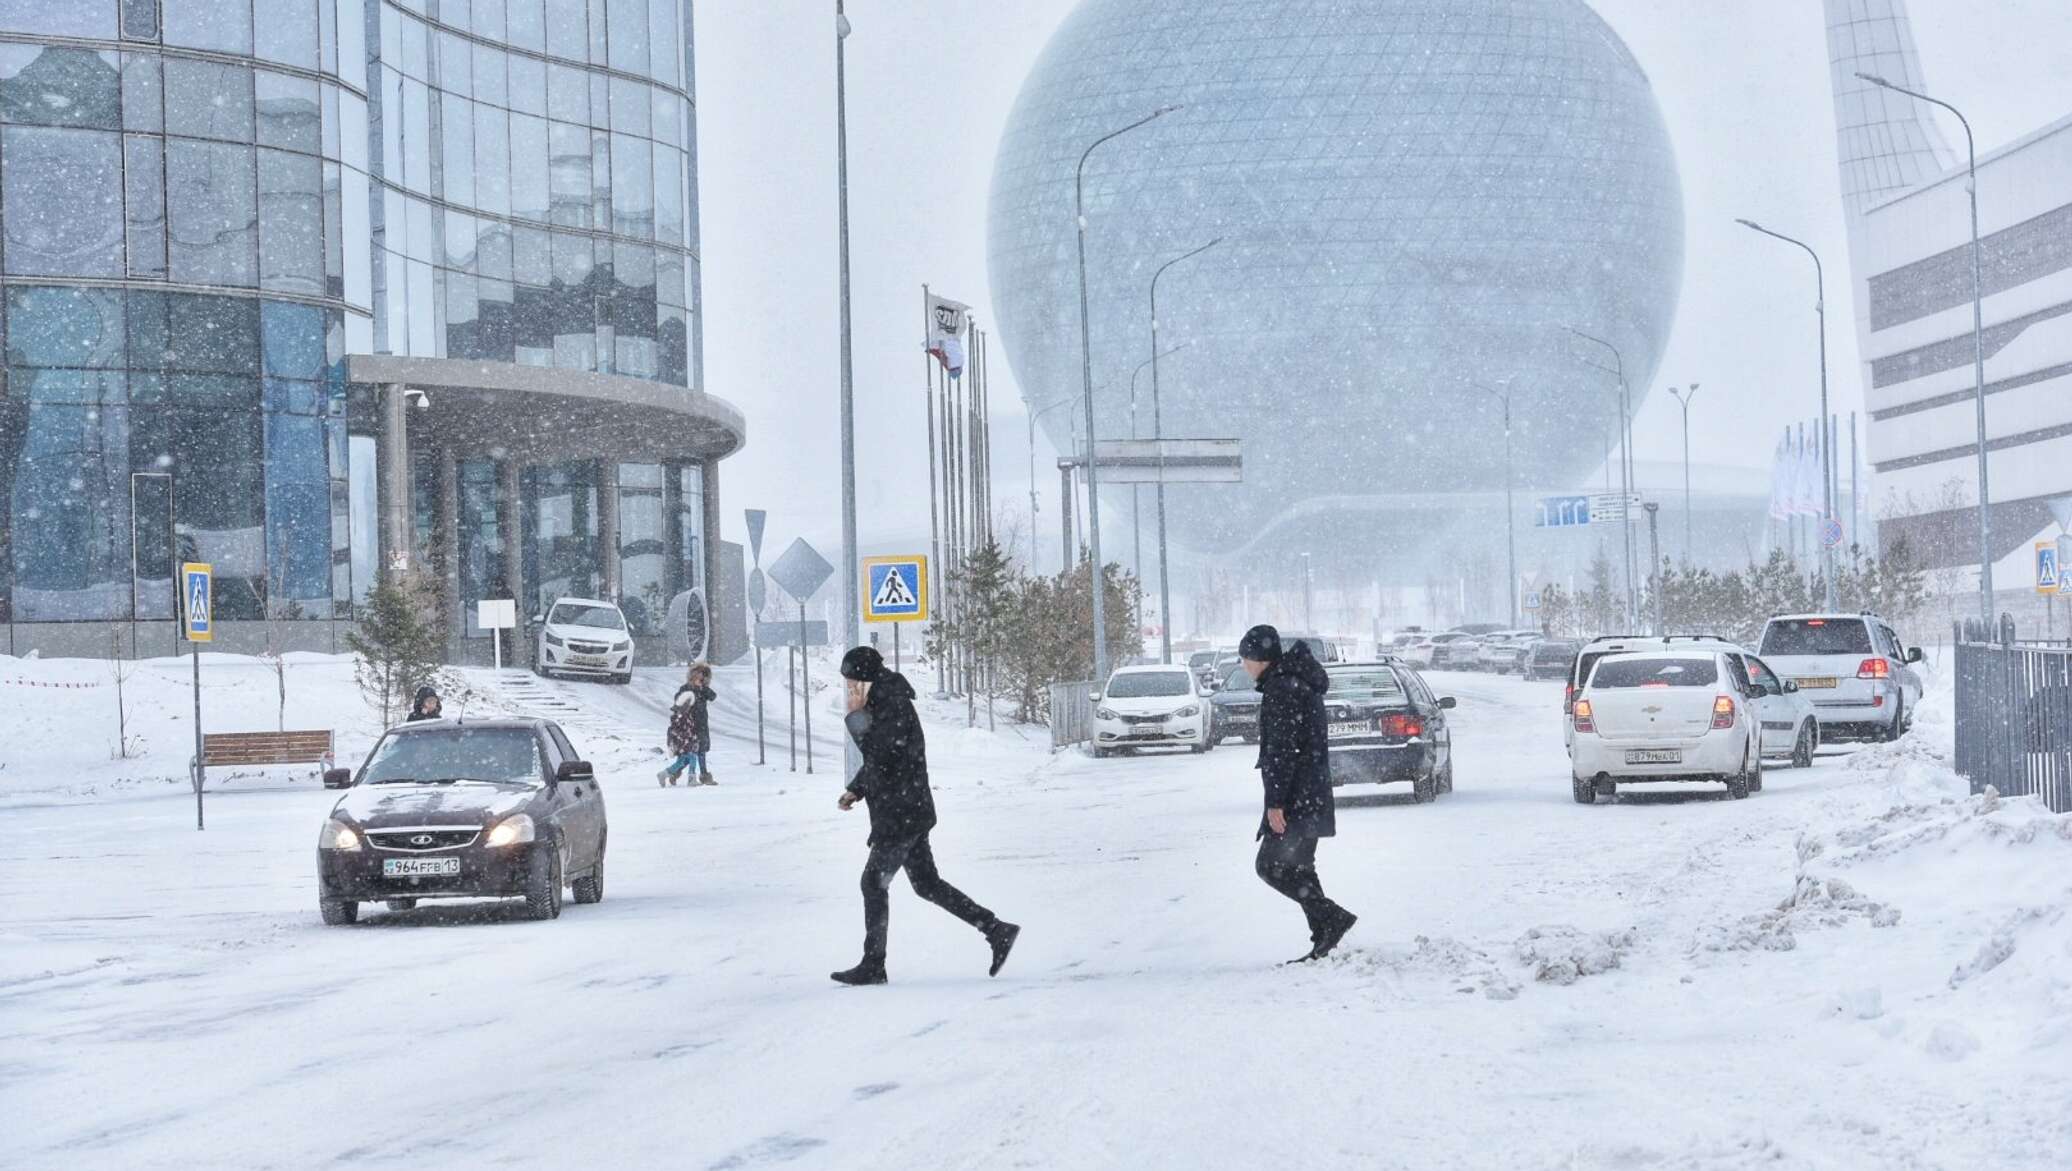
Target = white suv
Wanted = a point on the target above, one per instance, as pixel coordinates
(1151, 706)
(1673, 715)
(585, 636)
(1858, 674)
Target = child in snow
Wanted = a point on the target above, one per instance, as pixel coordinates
(690, 728)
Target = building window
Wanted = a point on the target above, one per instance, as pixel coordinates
(61, 197)
(687, 504)
(482, 549)
(561, 547)
(644, 546)
(212, 213)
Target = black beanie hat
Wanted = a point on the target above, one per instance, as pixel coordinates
(425, 693)
(863, 664)
(1261, 644)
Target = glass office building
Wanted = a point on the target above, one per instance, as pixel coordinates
(307, 289)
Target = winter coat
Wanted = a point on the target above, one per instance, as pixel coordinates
(690, 723)
(894, 778)
(1294, 733)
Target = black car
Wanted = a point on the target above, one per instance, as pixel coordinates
(1550, 658)
(479, 809)
(1387, 727)
(1234, 708)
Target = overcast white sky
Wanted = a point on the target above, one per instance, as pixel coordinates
(1743, 87)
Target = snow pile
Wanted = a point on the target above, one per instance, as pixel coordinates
(1560, 954)
(1430, 962)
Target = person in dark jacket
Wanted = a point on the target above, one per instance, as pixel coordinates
(1295, 771)
(690, 728)
(425, 706)
(893, 783)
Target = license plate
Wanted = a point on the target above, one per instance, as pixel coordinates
(418, 867)
(1827, 681)
(1352, 729)
(587, 660)
(1654, 756)
(1147, 730)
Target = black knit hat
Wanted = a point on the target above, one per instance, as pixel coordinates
(863, 664)
(1261, 644)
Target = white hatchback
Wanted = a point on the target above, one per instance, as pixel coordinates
(587, 637)
(1682, 715)
(1151, 706)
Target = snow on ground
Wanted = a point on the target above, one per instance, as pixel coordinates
(1862, 966)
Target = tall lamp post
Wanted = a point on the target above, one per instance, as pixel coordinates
(1097, 583)
(1036, 413)
(1827, 457)
(1165, 596)
(1978, 348)
(1625, 467)
(1136, 522)
(1683, 399)
(1510, 511)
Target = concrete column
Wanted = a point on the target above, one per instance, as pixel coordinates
(449, 550)
(513, 525)
(395, 479)
(608, 526)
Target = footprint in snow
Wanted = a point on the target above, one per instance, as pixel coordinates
(875, 1089)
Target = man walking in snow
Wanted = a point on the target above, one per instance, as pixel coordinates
(893, 782)
(1295, 770)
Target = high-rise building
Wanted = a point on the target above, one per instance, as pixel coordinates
(313, 289)
(1905, 190)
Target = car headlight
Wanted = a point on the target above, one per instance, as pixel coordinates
(1102, 713)
(336, 835)
(553, 641)
(510, 831)
(622, 645)
(1189, 710)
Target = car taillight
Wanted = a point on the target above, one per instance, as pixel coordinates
(1568, 697)
(1584, 722)
(1400, 724)
(1722, 713)
(1878, 668)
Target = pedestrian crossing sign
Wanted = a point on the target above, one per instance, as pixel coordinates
(196, 617)
(2048, 572)
(895, 589)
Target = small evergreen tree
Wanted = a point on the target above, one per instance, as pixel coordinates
(397, 646)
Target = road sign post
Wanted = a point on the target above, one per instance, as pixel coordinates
(497, 615)
(2049, 572)
(757, 595)
(197, 625)
(800, 572)
(895, 590)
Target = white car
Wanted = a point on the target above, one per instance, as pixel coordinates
(1151, 706)
(1859, 677)
(1616, 644)
(1791, 729)
(586, 637)
(1673, 715)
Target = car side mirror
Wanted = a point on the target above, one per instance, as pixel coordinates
(575, 770)
(338, 778)
(1913, 654)
(1790, 687)
(1094, 695)
(1447, 702)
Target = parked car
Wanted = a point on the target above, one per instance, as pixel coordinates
(1502, 652)
(1669, 715)
(1151, 706)
(1425, 651)
(1615, 644)
(586, 637)
(1387, 727)
(482, 809)
(1234, 708)
(1791, 730)
(1859, 676)
(1551, 658)
(1457, 654)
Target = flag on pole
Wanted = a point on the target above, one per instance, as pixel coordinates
(1780, 479)
(946, 320)
(1807, 501)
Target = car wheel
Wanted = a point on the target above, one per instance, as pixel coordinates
(1585, 790)
(543, 884)
(338, 912)
(1898, 726)
(1425, 789)
(1755, 775)
(1100, 753)
(590, 887)
(402, 904)
(1802, 748)
(623, 679)
(1737, 783)
(1446, 779)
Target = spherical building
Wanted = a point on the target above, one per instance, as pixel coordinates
(1412, 196)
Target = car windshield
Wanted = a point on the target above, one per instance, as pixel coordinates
(581, 614)
(1376, 684)
(1620, 673)
(497, 755)
(1816, 636)
(1553, 651)
(1239, 680)
(1139, 684)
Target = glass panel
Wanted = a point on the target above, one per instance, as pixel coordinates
(527, 24)
(600, 180)
(568, 175)
(481, 540)
(59, 86)
(687, 566)
(327, 37)
(220, 497)
(492, 160)
(489, 19)
(144, 208)
(668, 116)
(143, 98)
(291, 223)
(352, 131)
(222, 25)
(212, 333)
(298, 517)
(140, 19)
(78, 387)
(529, 257)
(632, 109)
(207, 100)
(528, 90)
(292, 340)
(633, 187)
(493, 250)
(489, 76)
(69, 513)
(632, 310)
(572, 315)
(669, 195)
(424, 321)
(463, 323)
(413, 44)
(61, 199)
(561, 530)
(643, 547)
(457, 150)
(151, 541)
(287, 32)
(568, 30)
(458, 238)
(456, 72)
(664, 45)
(361, 496)
(627, 30)
(287, 110)
(669, 267)
(568, 94)
(493, 306)
(672, 345)
(529, 167)
(352, 43)
(212, 213)
(417, 137)
(79, 18)
(327, 102)
(532, 326)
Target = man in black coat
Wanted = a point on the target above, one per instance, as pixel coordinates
(1295, 770)
(893, 782)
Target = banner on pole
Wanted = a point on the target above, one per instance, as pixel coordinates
(946, 320)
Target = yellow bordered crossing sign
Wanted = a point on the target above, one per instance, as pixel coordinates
(197, 585)
(895, 589)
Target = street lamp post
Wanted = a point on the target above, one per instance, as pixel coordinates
(1827, 458)
(1978, 349)
(1165, 596)
(852, 614)
(1309, 623)
(1086, 379)
(1136, 527)
(1683, 399)
(1036, 413)
(1655, 565)
(1510, 511)
(1626, 476)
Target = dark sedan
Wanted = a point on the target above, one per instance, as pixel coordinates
(1234, 708)
(445, 809)
(1387, 728)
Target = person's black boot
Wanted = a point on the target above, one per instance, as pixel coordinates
(867, 972)
(1332, 933)
(1001, 935)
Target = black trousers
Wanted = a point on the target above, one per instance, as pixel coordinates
(1288, 864)
(915, 857)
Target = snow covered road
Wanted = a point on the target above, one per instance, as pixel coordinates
(1532, 984)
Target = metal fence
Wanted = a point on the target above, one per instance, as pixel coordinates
(1071, 714)
(2014, 714)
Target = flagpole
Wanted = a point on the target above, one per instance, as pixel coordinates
(928, 365)
(852, 610)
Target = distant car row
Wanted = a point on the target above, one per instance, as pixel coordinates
(1506, 652)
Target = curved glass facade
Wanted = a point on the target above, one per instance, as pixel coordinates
(1412, 196)
(207, 205)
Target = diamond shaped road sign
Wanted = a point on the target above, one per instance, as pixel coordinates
(801, 570)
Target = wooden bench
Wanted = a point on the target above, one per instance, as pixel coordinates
(256, 748)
